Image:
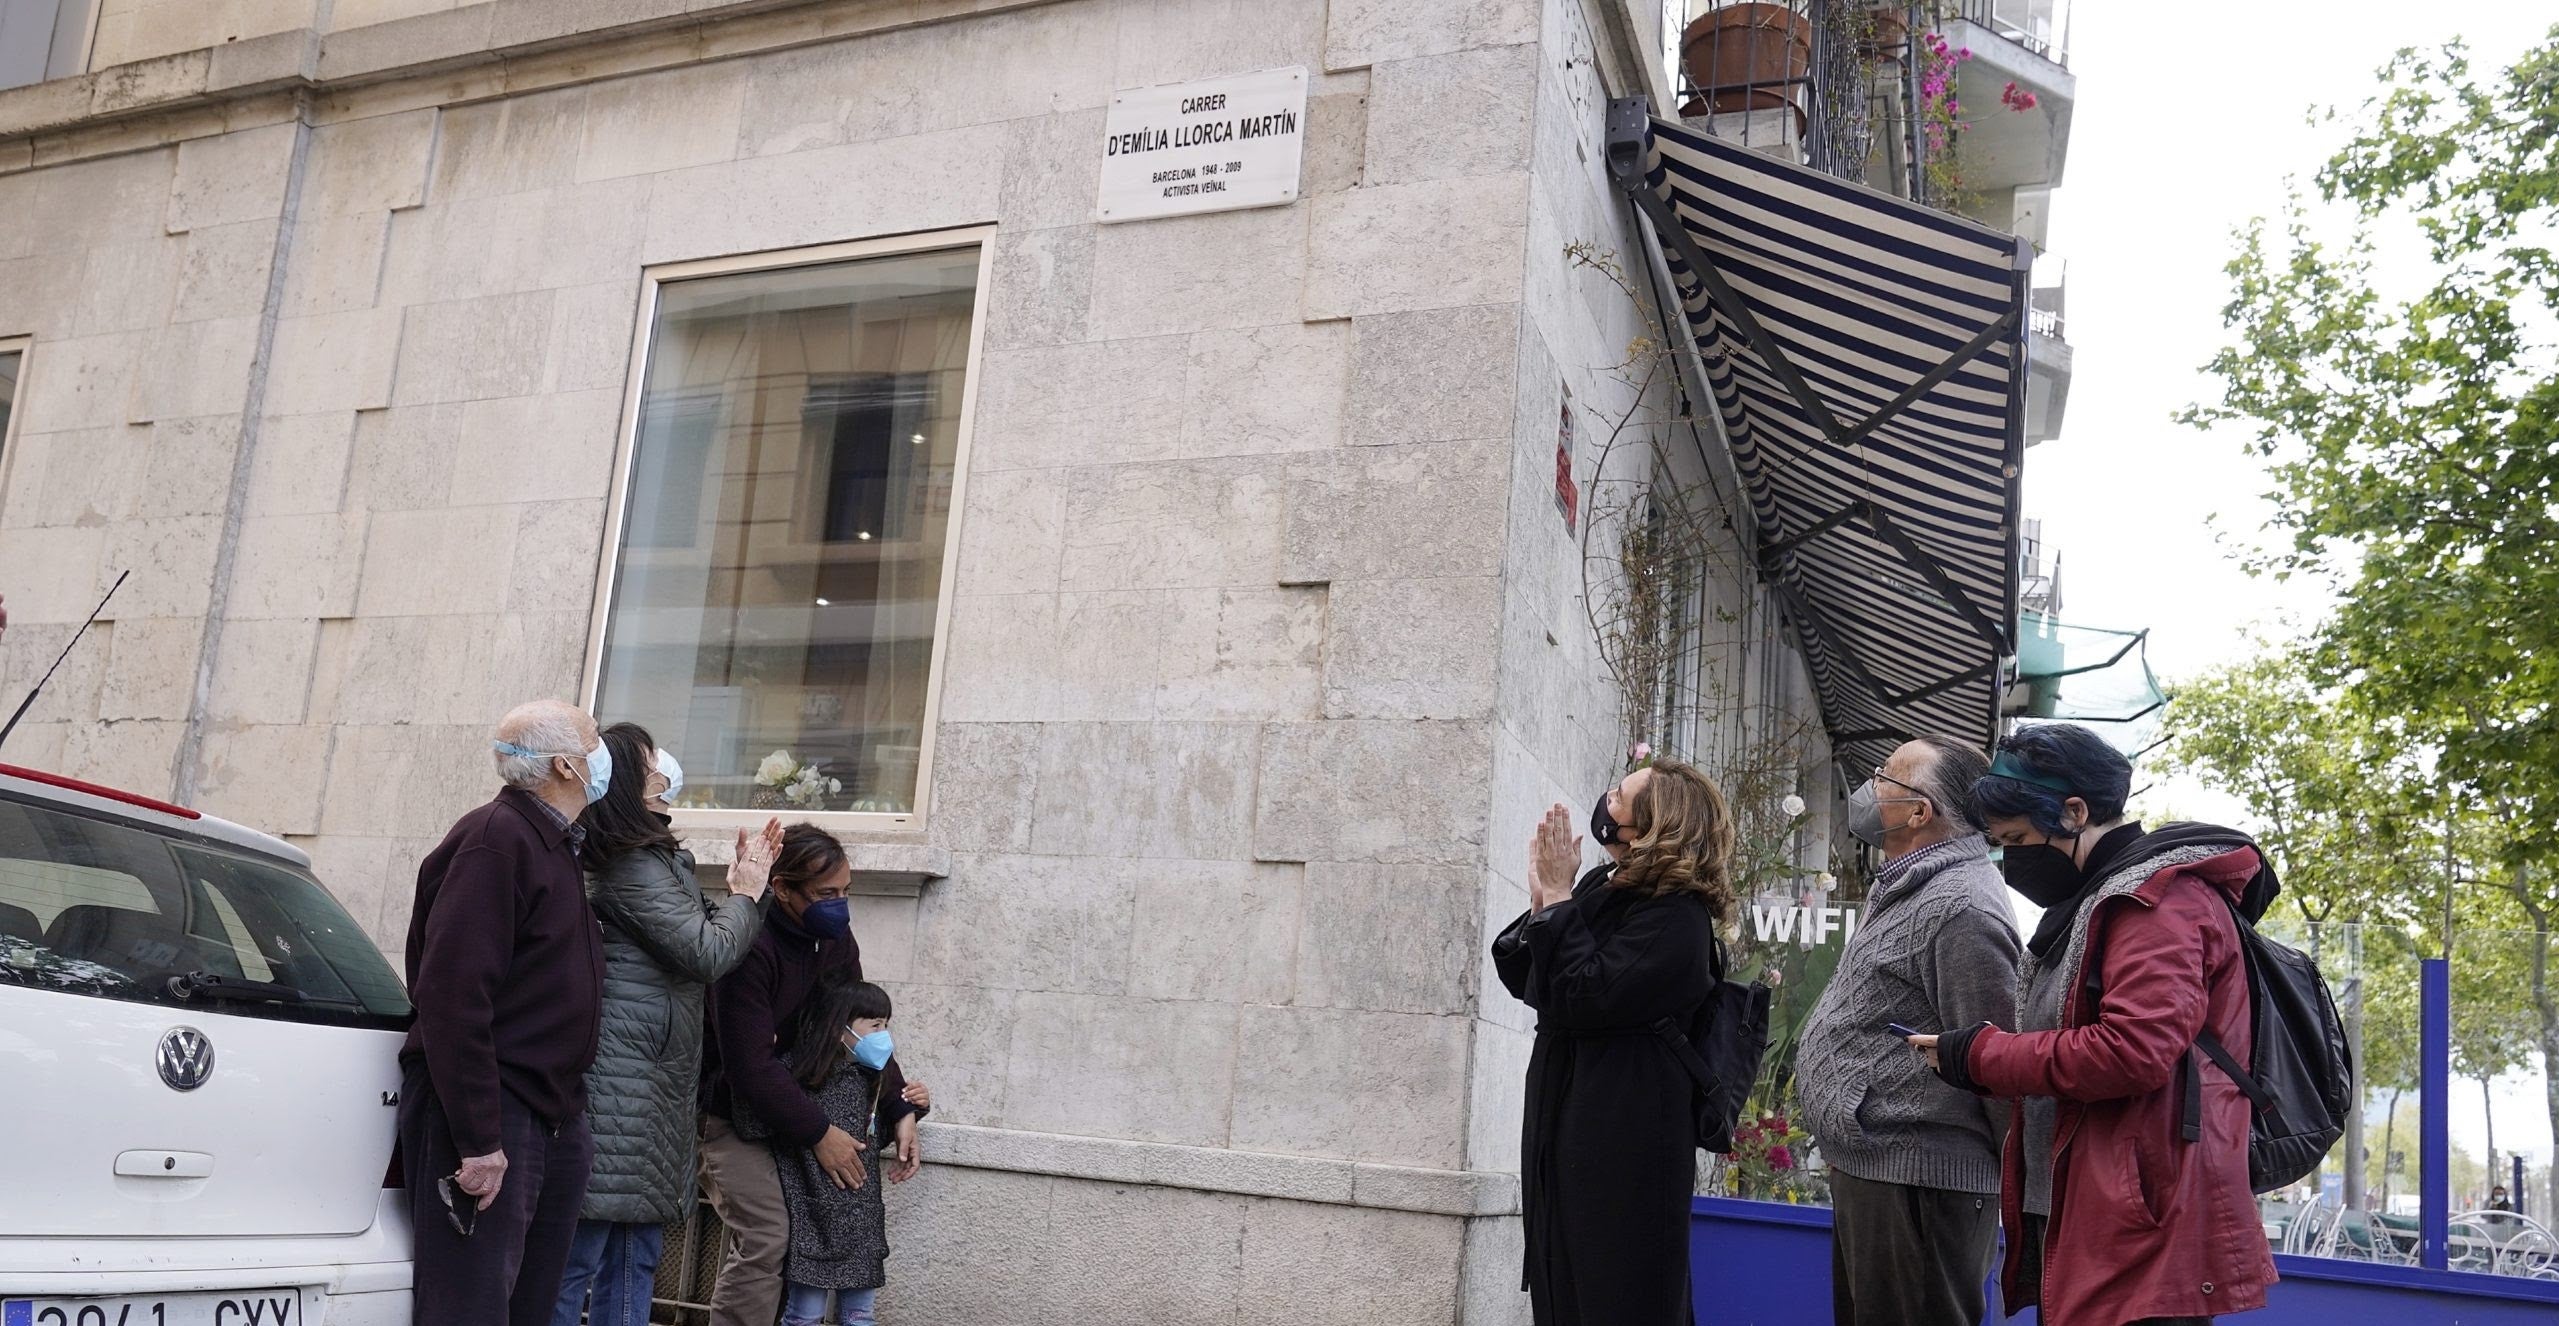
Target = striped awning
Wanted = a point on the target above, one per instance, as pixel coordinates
(1867, 360)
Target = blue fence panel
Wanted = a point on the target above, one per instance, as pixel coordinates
(1768, 1264)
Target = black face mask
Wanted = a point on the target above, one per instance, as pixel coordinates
(2045, 874)
(1603, 827)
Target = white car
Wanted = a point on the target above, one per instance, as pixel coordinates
(199, 1058)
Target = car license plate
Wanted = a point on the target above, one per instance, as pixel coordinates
(242, 1307)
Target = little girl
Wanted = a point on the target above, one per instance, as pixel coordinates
(839, 1236)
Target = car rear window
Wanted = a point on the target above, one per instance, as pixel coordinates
(95, 907)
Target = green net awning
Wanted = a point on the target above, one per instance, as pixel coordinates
(2086, 674)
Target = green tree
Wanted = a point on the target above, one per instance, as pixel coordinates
(2341, 808)
(2413, 441)
(2358, 830)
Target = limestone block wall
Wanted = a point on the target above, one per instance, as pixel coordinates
(133, 30)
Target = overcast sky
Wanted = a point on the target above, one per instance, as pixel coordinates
(2183, 130)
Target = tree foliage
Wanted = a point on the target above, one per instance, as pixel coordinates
(2413, 439)
(2339, 804)
(2412, 436)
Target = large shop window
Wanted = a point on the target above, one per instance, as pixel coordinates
(776, 591)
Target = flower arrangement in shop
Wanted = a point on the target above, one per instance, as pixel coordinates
(785, 779)
(1770, 1162)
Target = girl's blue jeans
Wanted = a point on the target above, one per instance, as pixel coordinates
(805, 1305)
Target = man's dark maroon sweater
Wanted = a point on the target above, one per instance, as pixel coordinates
(751, 1013)
(506, 968)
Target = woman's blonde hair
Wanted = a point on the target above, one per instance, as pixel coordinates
(1682, 838)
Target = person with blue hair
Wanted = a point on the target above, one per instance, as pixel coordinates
(2124, 1184)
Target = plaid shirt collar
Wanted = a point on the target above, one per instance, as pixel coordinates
(570, 830)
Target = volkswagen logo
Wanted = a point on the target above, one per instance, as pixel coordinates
(186, 1059)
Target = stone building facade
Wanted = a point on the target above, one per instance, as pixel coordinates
(1261, 641)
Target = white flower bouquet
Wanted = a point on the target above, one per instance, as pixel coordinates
(783, 778)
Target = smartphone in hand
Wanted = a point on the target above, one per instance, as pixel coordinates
(1904, 1032)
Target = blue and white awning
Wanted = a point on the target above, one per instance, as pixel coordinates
(1867, 359)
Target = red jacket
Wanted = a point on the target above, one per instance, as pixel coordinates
(2144, 1223)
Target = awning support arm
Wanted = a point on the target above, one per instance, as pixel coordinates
(1629, 121)
(1899, 539)
(1812, 624)
(1920, 560)
(1950, 683)
(1770, 552)
(1982, 340)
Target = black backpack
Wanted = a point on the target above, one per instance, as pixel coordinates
(2304, 1079)
(1721, 1048)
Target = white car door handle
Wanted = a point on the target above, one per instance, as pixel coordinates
(164, 1165)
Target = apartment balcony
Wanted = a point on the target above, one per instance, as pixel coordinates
(2008, 156)
(2047, 362)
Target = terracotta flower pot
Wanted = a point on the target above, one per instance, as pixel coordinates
(1889, 38)
(1748, 57)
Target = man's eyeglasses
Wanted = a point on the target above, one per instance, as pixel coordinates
(1879, 776)
(460, 1207)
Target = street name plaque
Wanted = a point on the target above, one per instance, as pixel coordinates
(1213, 146)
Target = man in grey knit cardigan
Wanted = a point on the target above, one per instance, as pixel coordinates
(1914, 1163)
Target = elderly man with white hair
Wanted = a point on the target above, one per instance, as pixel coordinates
(506, 967)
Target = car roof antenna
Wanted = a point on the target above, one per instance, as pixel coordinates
(24, 704)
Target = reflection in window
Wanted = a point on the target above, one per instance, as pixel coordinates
(10, 362)
(775, 593)
(42, 39)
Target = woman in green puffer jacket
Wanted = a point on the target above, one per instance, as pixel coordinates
(664, 943)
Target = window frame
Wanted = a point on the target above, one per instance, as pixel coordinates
(25, 348)
(616, 517)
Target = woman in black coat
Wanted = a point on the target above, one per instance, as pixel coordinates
(1608, 1150)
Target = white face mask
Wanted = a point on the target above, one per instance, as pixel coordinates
(674, 775)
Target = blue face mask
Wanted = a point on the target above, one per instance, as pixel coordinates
(599, 764)
(831, 918)
(872, 1051)
(674, 776)
(599, 771)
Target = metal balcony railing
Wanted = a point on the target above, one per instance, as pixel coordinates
(2050, 297)
(2041, 26)
(1790, 73)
